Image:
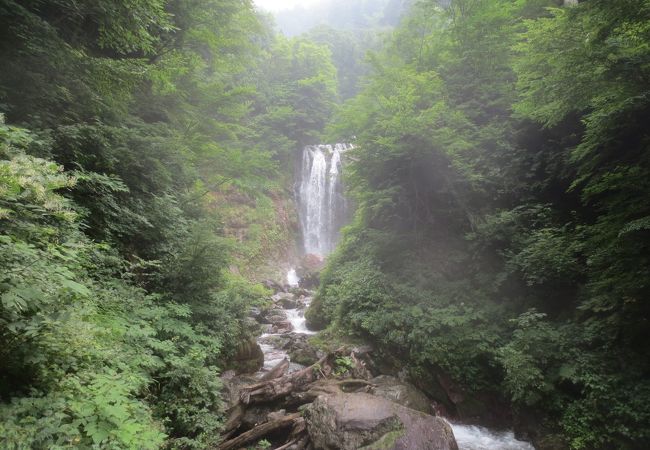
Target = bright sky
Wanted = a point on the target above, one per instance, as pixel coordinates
(277, 5)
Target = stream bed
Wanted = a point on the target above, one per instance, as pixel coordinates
(468, 437)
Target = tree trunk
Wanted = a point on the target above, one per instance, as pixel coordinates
(259, 432)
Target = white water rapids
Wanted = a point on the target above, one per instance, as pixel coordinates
(296, 317)
(471, 437)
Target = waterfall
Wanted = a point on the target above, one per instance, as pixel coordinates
(292, 278)
(321, 202)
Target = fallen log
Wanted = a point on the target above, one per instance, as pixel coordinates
(294, 389)
(267, 391)
(236, 412)
(235, 415)
(279, 370)
(259, 432)
(298, 438)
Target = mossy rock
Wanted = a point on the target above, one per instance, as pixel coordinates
(315, 318)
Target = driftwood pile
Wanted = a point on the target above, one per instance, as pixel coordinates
(286, 393)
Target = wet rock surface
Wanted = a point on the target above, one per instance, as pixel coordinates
(401, 392)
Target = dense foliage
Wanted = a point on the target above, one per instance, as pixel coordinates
(500, 244)
(133, 134)
(501, 239)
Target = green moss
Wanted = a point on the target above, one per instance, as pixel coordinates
(387, 441)
(333, 338)
(315, 315)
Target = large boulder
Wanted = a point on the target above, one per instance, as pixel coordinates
(273, 285)
(282, 327)
(257, 414)
(398, 391)
(364, 421)
(276, 341)
(232, 385)
(274, 316)
(257, 313)
(300, 292)
(285, 300)
(309, 271)
(301, 351)
(315, 317)
(483, 407)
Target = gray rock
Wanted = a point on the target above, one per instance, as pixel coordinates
(282, 327)
(275, 316)
(281, 295)
(273, 285)
(298, 292)
(285, 299)
(295, 367)
(276, 341)
(257, 414)
(363, 421)
(288, 303)
(232, 385)
(301, 351)
(257, 313)
(401, 392)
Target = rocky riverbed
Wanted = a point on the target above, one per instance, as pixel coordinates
(303, 398)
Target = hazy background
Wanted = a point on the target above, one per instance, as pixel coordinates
(277, 5)
(294, 17)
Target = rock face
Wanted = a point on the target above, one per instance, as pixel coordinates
(364, 421)
(401, 392)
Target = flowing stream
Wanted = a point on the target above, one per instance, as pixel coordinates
(273, 353)
(471, 437)
(468, 437)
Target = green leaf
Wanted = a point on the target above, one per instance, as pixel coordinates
(75, 287)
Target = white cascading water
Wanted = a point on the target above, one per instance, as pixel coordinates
(292, 278)
(297, 319)
(320, 197)
(471, 437)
